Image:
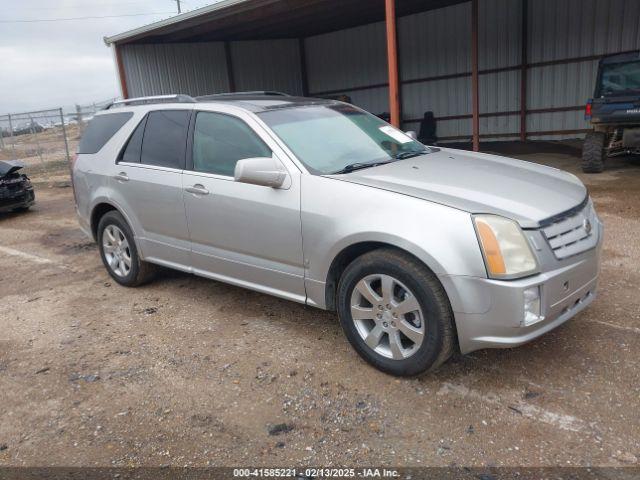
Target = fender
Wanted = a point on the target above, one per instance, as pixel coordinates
(337, 215)
(110, 201)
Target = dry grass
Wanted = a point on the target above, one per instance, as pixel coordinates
(41, 148)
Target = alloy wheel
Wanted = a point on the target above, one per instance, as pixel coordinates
(387, 316)
(117, 251)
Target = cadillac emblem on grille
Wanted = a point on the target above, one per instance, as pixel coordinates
(587, 226)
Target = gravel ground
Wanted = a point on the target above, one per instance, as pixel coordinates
(191, 372)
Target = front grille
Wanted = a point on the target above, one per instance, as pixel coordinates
(570, 235)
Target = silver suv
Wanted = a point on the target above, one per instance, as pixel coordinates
(420, 250)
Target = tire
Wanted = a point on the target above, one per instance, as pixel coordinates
(21, 209)
(412, 281)
(127, 269)
(593, 152)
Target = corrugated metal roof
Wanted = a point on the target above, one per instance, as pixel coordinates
(216, 7)
(229, 20)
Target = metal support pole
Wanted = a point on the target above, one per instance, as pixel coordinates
(229, 59)
(303, 67)
(79, 118)
(121, 73)
(523, 70)
(392, 60)
(13, 140)
(64, 134)
(475, 95)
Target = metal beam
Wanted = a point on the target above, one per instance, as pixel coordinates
(563, 61)
(508, 113)
(231, 78)
(303, 67)
(516, 135)
(260, 19)
(392, 62)
(475, 94)
(523, 70)
(121, 74)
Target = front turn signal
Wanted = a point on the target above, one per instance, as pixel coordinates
(505, 249)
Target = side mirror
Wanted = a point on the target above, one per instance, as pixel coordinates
(412, 134)
(263, 171)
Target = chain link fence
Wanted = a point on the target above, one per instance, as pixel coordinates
(45, 140)
(84, 113)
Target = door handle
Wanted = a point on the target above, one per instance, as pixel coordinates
(197, 189)
(121, 177)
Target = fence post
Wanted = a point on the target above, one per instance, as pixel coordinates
(79, 118)
(2, 138)
(13, 140)
(34, 132)
(64, 135)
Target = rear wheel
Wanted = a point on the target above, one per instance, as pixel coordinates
(593, 152)
(119, 253)
(395, 313)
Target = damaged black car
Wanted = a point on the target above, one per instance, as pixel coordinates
(16, 191)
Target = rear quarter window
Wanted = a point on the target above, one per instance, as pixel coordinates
(133, 149)
(100, 130)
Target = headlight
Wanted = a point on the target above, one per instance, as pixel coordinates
(506, 252)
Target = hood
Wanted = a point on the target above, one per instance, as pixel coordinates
(7, 168)
(479, 183)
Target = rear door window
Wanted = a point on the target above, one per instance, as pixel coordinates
(100, 130)
(165, 138)
(133, 150)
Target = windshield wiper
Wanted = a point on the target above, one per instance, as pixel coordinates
(405, 155)
(359, 166)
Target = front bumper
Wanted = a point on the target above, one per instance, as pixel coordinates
(489, 312)
(22, 199)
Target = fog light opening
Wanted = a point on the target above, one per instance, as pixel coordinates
(532, 312)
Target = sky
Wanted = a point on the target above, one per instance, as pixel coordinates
(60, 63)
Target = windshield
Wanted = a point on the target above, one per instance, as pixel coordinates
(328, 138)
(620, 78)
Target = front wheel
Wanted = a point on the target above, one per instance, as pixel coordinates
(395, 313)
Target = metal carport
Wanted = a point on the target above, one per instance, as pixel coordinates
(489, 69)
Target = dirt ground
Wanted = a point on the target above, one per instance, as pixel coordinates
(191, 372)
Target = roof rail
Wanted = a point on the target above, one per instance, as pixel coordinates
(267, 93)
(178, 98)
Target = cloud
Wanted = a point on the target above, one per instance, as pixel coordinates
(53, 64)
(44, 79)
